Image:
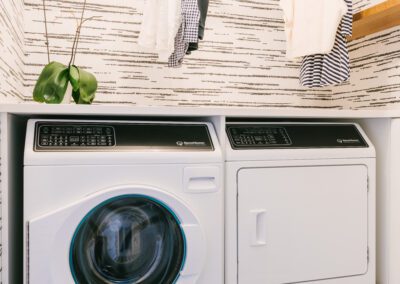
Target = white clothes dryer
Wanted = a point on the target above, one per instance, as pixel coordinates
(122, 202)
(300, 204)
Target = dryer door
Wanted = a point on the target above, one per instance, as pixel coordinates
(124, 235)
(299, 224)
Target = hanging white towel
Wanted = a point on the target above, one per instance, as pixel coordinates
(311, 25)
(160, 24)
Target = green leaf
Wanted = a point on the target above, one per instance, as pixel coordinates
(75, 96)
(52, 84)
(87, 88)
(74, 77)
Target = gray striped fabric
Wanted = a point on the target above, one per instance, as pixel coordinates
(333, 68)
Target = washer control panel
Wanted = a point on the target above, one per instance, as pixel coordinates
(67, 136)
(121, 136)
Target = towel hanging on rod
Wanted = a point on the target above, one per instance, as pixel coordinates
(188, 32)
(203, 7)
(161, 22)
(169, 27)
(333, 68)
(311, 25)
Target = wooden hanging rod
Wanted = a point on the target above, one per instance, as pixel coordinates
(375, 19)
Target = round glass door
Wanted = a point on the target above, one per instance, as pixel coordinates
(128, 239)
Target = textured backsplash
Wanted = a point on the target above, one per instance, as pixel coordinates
(375, 76)
(241, 62)
(11, 50)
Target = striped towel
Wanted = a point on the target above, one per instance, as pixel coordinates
(333, 68)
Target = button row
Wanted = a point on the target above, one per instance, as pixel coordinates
(73, 130)
(261, 140)
(83, 140)
(255, 140)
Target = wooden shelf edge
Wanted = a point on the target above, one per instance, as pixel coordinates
(375, 19)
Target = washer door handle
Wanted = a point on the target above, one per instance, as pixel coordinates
(258, 227)
(201, 179)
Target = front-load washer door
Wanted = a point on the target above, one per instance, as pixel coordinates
(128, 239)
(129, 235)
(302, 223)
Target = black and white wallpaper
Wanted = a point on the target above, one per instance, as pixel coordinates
(241, 61)
(11, 51)
(375, 76)
(11, 66)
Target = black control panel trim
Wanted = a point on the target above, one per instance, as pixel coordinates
(300, 136)
(121, 136)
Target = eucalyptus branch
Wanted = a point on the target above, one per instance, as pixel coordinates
(46, 32)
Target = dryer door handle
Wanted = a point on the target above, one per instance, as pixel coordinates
(258, 229)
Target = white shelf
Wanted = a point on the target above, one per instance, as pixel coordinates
(126, 110)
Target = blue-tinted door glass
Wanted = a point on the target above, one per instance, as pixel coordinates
(129, 239)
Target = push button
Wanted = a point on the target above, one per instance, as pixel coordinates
(74, 139)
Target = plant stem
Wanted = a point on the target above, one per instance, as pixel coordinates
(77, 34)
(73, 46)
(45, 27)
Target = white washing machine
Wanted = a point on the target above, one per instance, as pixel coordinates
(122, 202)
(300, 204)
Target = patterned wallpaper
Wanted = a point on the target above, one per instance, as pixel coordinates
(11, 65)
(364, 4)
(11, 50)
(375, 76)
(375, 65)
(240, 63)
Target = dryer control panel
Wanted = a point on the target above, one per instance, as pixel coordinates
(307, 135)
(259, 136)
(121, 136)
